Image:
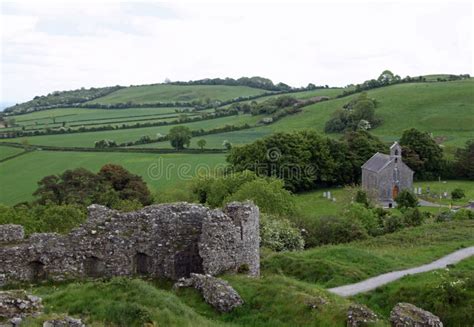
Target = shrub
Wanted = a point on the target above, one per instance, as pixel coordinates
(406, 199)
(268, 194)
(43, 218)
(330, 230)
(367, 217)
(457, 194)
(413, 217)
(444, 216)
(463, 214)
(361, 197)
(279, 235)
(392, 223)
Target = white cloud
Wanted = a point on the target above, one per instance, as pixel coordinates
(55, 46)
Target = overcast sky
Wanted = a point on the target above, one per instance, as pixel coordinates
(60, 46)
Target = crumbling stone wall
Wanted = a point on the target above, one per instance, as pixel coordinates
(170, 240)
(11, 233)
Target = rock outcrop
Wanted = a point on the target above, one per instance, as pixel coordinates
(217, 292)
(359, 315)
(169, 240)
(17, 305)
(11, 233)
(408, 315)
(64, 322)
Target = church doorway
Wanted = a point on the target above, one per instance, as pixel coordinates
(395, 192)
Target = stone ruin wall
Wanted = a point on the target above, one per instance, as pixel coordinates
(170, 241)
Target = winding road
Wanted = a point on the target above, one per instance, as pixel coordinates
(374, 282)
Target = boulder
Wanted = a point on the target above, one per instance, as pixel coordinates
(217, 292)
(359, 315)
(17, 304)
(64, 322)
(408, 315)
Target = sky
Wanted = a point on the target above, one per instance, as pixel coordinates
(48, 46)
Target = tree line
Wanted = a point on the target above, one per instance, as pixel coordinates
(306, 160)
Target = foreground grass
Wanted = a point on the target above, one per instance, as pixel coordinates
(269, 301)
(19, 176)
(448, 293)
(119, 302)
(274, 301)
(336, 265)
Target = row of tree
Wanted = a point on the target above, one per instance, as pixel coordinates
(388, 78)
(306, 160)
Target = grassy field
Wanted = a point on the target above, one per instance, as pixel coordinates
(6, 151)
(445, 109)
(336, 265)
(87, 139)
(448, 293)
(177, 93)
(75, 114)
(270, 301)
(439, 187)
(18, 177)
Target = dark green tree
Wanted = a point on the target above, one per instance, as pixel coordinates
(406, 199)
(428, 153)
(201, 143)
(179, 136)
(465, 161)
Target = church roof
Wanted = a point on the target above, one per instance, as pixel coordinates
(377, 162)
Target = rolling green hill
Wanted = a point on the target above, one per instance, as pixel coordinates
(445, 109)
(177, 93)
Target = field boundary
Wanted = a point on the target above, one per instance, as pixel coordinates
(117, 149)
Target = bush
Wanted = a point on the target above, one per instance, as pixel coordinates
(392, 224)
(463, 214)
(367, 217)
(413, 217)
(361, 197)
(406, 199)
(457, 194)
(444, 216)
(278, 234)
(268, 194)
(43, 218)
(331, 230)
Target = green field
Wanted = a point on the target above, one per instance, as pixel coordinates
(75, 114)
(18, 177)
(6, 151)
(87, 139)
(176, 93)
(439, 187)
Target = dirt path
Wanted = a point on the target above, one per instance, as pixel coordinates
(374, 282)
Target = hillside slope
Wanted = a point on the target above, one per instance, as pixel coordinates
(445, 109)
(177, 93)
